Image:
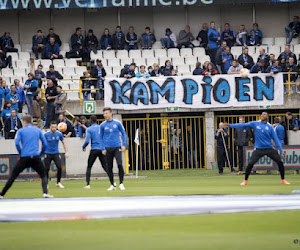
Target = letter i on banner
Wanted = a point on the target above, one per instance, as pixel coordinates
(137, 142)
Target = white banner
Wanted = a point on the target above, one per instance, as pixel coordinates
(219, 91)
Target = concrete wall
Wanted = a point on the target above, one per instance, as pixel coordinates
(23, 24)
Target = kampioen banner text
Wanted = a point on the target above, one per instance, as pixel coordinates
(219, 91)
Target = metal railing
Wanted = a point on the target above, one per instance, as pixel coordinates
(289, 83)
(166, 142)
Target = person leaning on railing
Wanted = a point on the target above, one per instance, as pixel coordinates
(293, 121)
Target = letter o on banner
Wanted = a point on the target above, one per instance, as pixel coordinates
(221, 91)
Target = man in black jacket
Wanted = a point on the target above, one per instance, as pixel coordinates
(241, 139)
(91, 42)
(292, 30)
(53, 75)
(78, 49)
(99, 72)
(202, 36)
(128, 71)
(118, 39)
(284, 56)
(245, 59)
(12, 125)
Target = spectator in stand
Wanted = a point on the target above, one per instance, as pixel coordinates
(202, 36)
(128, 72)
(198, 70)
(60, 102)
(84, 124)
(167, 69)
(52, 34)
(20, 91)
(78, 49)
(99, 72)
(70, 129)
(40, 75)
(224, 60)
(228, 35)
(147, 39)
(37, 110)
(2, 100)
(78, 129)
(169, 40)
(290, 66)
(86, 84)
(210, 70)
(283, 123)
(292, 121)
(293, 29)
(235, 68)
(106, 41)
(91, 42)
(271, 59)
(118, 39)
(142, 73)
(245, 59)
(53, 75)
(5, 60)
(50, 96)
(174, 72)
(258, 67)
(14, 97)
(185, 38)
(279, 130)
(264, 56)
(131, 39)
(150, 69)
(255, 36)
(219, 52)
(52, 50)
(205, 64)
(6, 113)
(156, 72)
(4, 87)
(275, 68)
(284, 56)
(213, 41)
(12, 125)
(38, 44)
(30, 86)
(241, 36)
(7, 44)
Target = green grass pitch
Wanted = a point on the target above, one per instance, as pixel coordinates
(263, 230)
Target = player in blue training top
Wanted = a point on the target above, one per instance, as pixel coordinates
(93, 135)
(111, 146)
(30, 156)
(263, 134)
(52, 153)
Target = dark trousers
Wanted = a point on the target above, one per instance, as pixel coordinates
(110, 155)
(36, 50)
(241, 157)
(50, 113)
(94, 153)
(27, 162)
(260, 152)
(212, 53)
(20, 107)
(49, 57)
(6, 62)
(57, 160)
(221, 156)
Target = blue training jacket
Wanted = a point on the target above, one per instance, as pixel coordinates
(29, 137)
(93, 135)
(263, 134)
(279, 131)
(110, 134)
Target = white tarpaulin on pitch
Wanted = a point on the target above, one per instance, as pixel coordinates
(194, 91)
